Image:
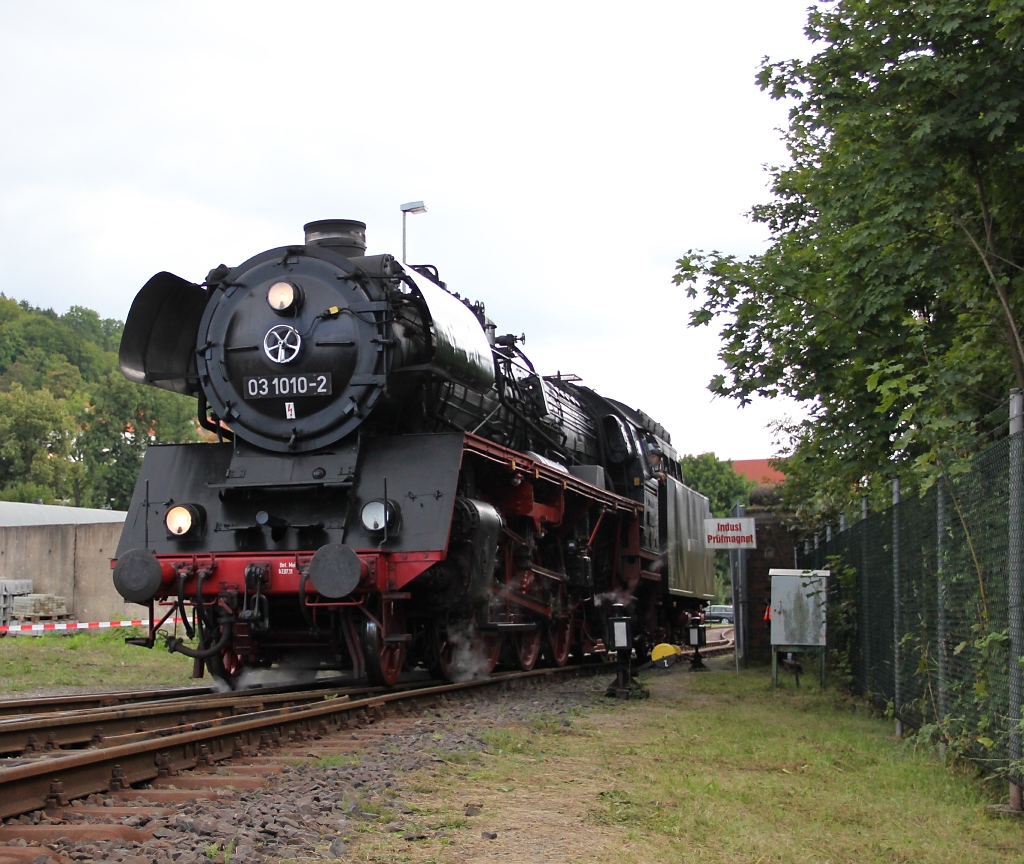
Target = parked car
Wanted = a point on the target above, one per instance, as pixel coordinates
(719, 613)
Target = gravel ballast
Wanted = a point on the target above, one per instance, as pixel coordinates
(313, 812)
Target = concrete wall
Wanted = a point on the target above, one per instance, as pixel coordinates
(72, 561)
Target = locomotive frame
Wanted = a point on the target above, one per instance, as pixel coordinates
(433, 501)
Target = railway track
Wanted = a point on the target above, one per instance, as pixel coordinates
(720, 642)
(203, 746)
(235, 729)
(45, 732)
(51, 704)
(293, 797)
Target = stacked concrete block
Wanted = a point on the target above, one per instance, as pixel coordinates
(39, 607)
(9, 589)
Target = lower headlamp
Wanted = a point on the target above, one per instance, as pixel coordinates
(185, 520)
(379, 516)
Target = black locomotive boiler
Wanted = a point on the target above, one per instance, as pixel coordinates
(388, 482)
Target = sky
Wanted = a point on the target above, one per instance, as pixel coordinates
(568, 154)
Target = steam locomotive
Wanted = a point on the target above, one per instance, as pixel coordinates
(388, 483)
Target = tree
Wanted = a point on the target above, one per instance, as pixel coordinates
(103, 332)
(888, 298)
(39, 341)
(122, 420)
(35, 369)
(717, 479)
(36, 435)
(72, 428)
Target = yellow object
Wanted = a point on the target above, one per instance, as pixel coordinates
(663, 650)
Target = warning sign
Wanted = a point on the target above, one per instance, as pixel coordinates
(730, 533)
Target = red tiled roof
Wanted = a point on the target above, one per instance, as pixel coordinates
(758, 470)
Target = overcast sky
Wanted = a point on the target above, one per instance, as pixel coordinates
(568, 152)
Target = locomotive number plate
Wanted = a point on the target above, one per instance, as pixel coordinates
(277, 386)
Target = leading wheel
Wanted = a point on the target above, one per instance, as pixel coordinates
(443, 651)
(384, 657)
(225, 666)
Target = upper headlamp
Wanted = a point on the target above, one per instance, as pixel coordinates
(284, 297)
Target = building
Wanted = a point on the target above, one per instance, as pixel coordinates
(758, 470)
(64, 551)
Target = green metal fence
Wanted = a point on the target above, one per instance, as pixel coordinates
(934, 590)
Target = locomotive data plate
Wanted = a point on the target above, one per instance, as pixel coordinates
(279, 386)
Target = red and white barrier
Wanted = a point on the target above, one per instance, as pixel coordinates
(78, 625)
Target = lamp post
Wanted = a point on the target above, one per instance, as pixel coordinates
(411, 207)
(619, 638)
(696, 638)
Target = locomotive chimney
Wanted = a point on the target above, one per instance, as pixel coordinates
(343, 235)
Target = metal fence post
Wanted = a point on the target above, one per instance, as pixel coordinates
(897, 687)
(1014, 586)
(738, 569)
(865, 601)
(744, 617)
(940, 575)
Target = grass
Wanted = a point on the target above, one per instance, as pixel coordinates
(794, 775)
(89, 659)
(337, 760)
(713, 768)
(718, 768)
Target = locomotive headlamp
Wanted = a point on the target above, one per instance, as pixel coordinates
(380, 515)
(284, 297)
(185, 520)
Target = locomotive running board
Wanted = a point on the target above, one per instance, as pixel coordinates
(517, 462)
(251, 468)
(507, 628)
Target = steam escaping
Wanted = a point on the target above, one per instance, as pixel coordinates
(612, 598)
(295, 670)
(472, 653)
(220, 685)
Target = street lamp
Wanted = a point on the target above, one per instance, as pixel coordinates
(411, 207)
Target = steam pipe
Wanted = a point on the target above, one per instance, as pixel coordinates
(174, 644)
(204, 421)
(204, 619)
(302, 605)
(189, 629)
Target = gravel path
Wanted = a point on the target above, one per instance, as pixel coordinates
(310, 812)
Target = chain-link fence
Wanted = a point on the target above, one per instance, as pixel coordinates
(932, 584)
